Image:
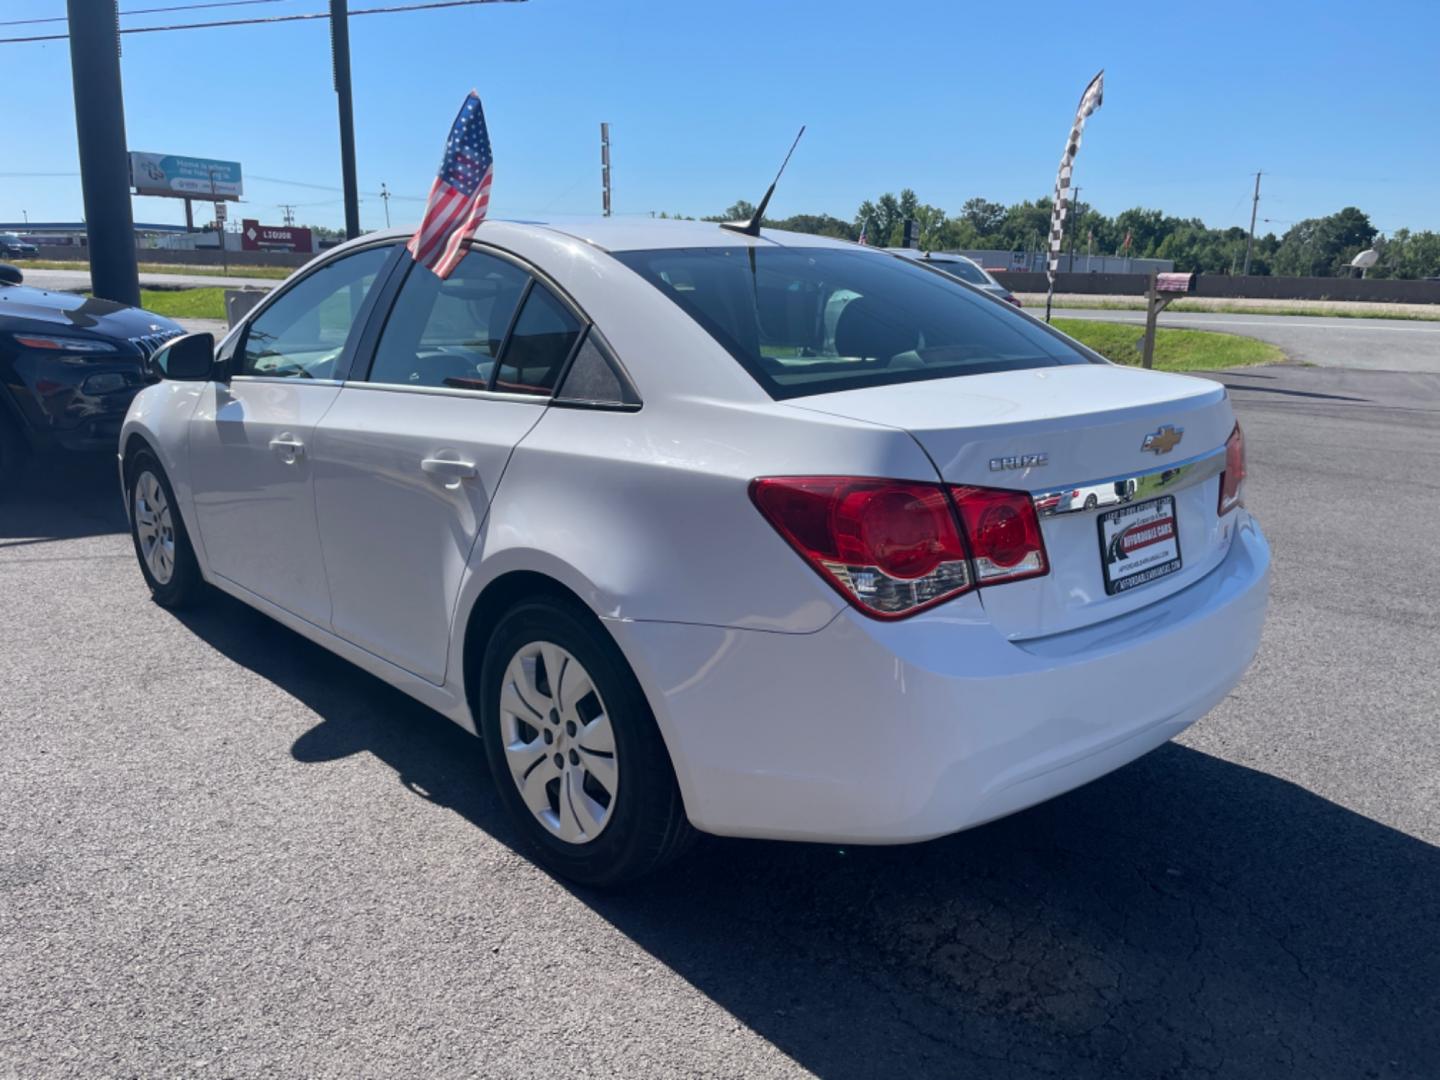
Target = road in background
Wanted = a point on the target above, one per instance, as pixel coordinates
(79, 281)
(1372, 344)
(226, 852)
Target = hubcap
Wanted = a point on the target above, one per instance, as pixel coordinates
(558, 742)
(154, 528)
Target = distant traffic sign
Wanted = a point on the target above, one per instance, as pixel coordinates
(184, 177)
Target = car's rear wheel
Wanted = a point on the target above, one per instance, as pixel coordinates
(1091, 501)
(574, 749)
(162, 545)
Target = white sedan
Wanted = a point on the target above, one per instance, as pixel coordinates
(756, 536)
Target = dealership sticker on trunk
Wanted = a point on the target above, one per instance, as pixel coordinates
(1138, 544)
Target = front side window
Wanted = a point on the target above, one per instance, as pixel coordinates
(448, 333)
(816, 320)
(302, 335)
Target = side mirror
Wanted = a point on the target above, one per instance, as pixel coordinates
(186, 359)
(11, 275)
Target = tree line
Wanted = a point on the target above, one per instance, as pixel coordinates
(1315, 247)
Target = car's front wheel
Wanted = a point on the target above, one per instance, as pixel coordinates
(161, 543)
(574, 749)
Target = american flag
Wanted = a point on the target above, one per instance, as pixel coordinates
(460, 195)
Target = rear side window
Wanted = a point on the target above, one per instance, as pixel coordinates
(544, 336)
(816, 320)
(449, 333)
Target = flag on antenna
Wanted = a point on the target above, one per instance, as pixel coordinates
(460, 195)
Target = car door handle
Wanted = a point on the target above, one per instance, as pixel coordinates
(288, 447)
(450, 468)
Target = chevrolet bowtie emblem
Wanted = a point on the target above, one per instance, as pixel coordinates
(1163, 439)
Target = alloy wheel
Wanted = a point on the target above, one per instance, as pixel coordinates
(154, 527)
(558, 741)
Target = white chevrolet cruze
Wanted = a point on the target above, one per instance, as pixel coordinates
(757, 536)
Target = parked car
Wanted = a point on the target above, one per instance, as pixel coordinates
(967, 270)
(12, 246)
(615, 497)
(69, 367)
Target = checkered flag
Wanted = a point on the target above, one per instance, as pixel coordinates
(1089, 102)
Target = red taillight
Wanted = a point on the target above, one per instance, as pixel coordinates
(894, 547)
(1232, 480)
(890, 547)
(1013, 299)
(1004, 534)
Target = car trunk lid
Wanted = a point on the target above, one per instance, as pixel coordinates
(1086, 441)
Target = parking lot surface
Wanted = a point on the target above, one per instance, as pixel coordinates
(1373, 344)
(224, 852)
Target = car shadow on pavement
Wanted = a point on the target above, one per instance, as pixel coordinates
(1183, 916)
(64, 498)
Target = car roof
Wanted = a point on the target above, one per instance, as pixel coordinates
(644, 233)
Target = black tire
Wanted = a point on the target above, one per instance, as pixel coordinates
(1091, 501)
(647, 827)
(185, 585)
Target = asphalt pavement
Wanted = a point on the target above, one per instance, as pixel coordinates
(226, 853)
(79, 281)
(1369, 344)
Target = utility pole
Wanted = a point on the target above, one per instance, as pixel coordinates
(1075, 226)
(26, 215)
(340, 56)
(289, 211)
(605, 167)
(220, 226)
(1254, 206)
(104, 164)
(385, 194)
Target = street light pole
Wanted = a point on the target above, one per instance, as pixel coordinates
(104, 165)
(340, 55)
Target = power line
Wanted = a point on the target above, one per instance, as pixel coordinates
(272, 19)
(147, 11)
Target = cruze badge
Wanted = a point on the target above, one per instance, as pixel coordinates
(1163, 439)
(1019, 461)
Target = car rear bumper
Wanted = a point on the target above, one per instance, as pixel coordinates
(877, 732)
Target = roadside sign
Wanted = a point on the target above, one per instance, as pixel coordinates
(257, 237)
(220, 212)
(184, 177)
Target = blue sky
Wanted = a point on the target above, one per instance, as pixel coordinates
(1336, 101)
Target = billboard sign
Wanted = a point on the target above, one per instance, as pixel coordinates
(184, 177)
(257, 237)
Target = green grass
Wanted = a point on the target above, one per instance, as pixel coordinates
(185, 303)
(1175, 350)
(1323, 311)
(275, 273)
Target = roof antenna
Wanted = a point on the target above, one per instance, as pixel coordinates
(752, 227)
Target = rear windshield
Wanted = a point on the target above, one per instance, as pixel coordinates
(963, 270)
(815, 320)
